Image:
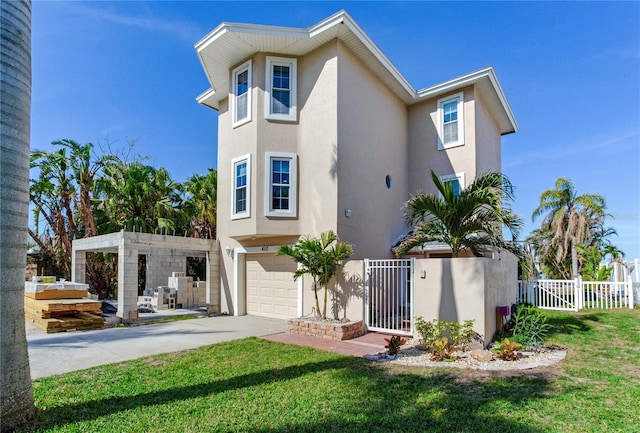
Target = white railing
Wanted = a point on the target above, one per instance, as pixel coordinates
(574, 295)
(389, 295)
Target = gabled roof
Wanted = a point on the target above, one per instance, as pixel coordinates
(231, 43)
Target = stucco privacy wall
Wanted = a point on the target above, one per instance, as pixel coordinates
(465, 288)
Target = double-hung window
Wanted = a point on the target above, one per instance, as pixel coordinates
(241, 187)
(451, 121)
(280, 89)
(281, 184)
(455, 180)
(241, 94)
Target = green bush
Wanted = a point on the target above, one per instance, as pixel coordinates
(457, 334)
(529, 325)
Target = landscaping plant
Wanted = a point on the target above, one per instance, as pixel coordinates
(506, 349)
(529, 325)
(433, 331)
(320, 258)
(394, 343)
(442, 350)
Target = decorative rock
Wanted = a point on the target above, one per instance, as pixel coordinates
(481, 355)
(422, 347)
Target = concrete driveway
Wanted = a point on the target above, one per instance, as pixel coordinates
(63, 352)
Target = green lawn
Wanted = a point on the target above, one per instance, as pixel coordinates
(254, 385)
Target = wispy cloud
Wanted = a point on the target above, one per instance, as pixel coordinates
(182, 29)
(626, 139)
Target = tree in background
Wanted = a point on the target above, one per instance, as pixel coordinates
(200, 202)
(16, 396)
(468, 220)
(320, 258)
(138, 197)
(78, 193)
(572, 239)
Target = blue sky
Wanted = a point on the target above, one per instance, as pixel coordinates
(112, 72)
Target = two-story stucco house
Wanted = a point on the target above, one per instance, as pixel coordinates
(319, 131)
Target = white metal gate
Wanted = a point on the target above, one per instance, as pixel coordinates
(389, 295)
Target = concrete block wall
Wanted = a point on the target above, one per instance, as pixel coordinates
(161, 264)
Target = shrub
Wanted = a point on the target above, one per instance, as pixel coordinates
(506, 349)
(442, 350)
(457, 334)
(529, 325)
(394, 343)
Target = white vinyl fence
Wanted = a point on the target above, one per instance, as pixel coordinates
(575, 295)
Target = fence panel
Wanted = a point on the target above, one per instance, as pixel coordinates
(574, 295)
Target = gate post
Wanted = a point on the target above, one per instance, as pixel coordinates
(578, 293)
(367, 295)
(629, 290)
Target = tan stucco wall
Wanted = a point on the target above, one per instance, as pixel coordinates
(424, 154)
(488, 140)
(372, 143)
(500, 287)
(467, 288)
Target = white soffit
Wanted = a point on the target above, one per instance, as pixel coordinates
(229, 44)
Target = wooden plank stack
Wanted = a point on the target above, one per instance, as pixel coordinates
(63, 306)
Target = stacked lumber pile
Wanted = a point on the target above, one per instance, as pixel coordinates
(63, 306)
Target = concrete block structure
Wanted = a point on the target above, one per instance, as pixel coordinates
(164, 254)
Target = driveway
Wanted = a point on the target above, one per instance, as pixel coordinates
(63, 352)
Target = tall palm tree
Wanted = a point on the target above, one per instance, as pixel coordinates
(569, 217)
(320, 258)
(16, 396)
(469, 220)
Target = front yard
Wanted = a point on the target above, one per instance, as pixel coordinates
(254, 385)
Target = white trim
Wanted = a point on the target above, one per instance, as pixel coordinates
(293, 185)
(246, 66)
(247, 212)
(459, 97)
(292, 65)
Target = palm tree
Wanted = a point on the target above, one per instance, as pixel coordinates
(200, 202)
(568, 217)
(468, 221)
(319, 258)
(16, 396)
(137, 196)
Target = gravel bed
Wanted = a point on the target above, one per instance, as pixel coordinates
(527, 359)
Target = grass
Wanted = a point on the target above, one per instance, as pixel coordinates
(261, 386)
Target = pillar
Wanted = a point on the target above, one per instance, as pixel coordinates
(78, 266)
(127, 283)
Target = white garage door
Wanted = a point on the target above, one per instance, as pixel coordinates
(271, 291)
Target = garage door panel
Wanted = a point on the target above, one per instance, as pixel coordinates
(271, 290)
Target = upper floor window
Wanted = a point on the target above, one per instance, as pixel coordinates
(281, 184)
(455, 181)
(280, 89)
(451, 121)
(241, 187)
(241, 94)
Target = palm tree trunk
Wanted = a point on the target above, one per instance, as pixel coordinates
(16, 395)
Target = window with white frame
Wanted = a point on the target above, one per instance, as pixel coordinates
(456, 180)
(241, 187)
(280, 89)
(241, 94)
(281, 184)
(451, 121)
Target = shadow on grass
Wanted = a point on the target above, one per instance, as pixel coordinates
(385, 401)
(570, 324)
